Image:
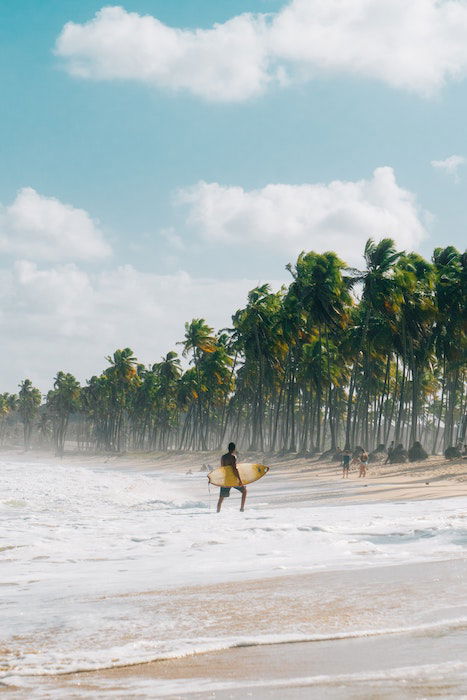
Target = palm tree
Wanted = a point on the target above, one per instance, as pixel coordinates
(416, 316)
(8, 404)
(378, 288)
(123, 379)
(199, 340)
(29, 399)
(187, 397)
(323, 294)
(168, 373)
(451, 332)
(255, 328)
(215, 369)
(298, 365)
(62, 401)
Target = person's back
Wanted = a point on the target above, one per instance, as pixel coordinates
(229, 460)
(363, 463)
(346, 464)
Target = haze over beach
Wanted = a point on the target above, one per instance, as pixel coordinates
(233, 222)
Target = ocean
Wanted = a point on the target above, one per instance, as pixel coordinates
(102, 568)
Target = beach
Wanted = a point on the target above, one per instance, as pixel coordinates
(233, 251)
(120, 580)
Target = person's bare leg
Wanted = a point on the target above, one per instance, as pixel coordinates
(242, 505)
(219, 503)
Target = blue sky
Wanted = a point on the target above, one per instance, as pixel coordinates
(129, 151)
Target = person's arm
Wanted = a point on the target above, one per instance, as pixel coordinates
(236, 472)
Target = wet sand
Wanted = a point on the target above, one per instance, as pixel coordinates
(382, 634)
(357, 668)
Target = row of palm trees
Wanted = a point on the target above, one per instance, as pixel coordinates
(338, 358)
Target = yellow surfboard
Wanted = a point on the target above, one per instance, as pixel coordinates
(249, 472)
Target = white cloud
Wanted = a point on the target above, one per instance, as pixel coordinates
(68, 319)
(227, 62)
(339, 216)
(450, 165)
(416, 45)
(46, 229)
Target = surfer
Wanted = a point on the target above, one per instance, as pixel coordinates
(229, 460)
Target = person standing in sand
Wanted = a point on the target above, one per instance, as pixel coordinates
(346, 464)
(390, 451)
(229, 460)
(363, 463)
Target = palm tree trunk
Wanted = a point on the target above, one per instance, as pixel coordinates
(348, 426)
(382, 400)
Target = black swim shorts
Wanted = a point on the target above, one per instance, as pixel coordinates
(225, 490)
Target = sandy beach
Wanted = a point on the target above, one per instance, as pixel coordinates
(385, 481)
(377, 662)
(326, 588)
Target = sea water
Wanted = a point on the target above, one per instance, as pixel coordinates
(102, 568)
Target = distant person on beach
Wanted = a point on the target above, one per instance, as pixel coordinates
(390, 451)
(346, 464)
(363, 463)
(229, 460)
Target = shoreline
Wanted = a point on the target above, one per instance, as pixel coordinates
(429, 479)
(364, 656)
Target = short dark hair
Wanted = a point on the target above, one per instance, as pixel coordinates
(231, 446)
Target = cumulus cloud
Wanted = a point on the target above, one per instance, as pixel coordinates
(72, 319)
(450, 165)
(44, 228)
(416, 46)
(227, 62)
(338, 216)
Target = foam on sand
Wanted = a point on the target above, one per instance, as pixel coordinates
(103, 568)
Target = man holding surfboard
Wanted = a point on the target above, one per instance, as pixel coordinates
(229, 460)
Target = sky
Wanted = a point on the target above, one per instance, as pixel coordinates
(159, 159)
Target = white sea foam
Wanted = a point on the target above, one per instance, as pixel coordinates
(146, 650)
(79, 546)
(431, 675)
(434, 676)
